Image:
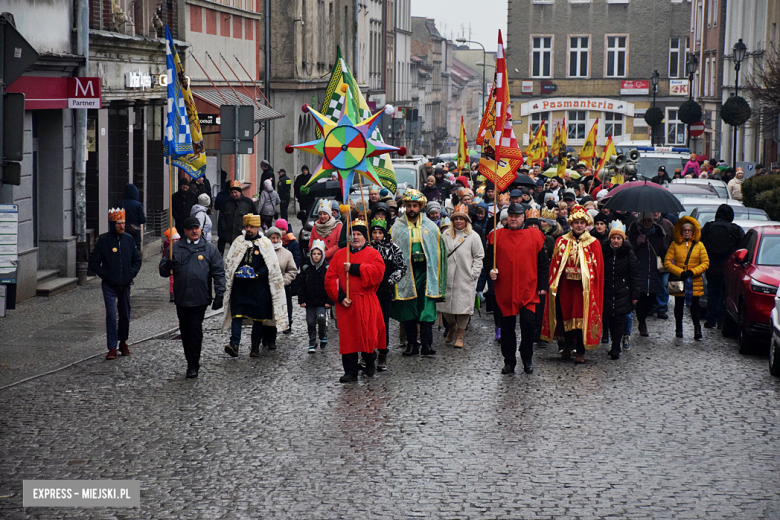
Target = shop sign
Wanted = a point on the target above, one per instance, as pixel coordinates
(548, 88)
(83, 92)
(576, 103)
(634, 87)
(527, 87)
(138, 79)
(209, 119)
(678, 87)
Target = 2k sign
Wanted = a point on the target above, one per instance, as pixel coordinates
(84, 93)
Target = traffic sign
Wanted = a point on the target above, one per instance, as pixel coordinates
(696, 129)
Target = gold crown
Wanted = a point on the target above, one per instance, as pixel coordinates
(252, 220)
(116, 214)
(549, 213)
(359, 222)
(580, 213)
(412, 195)
(504, 197)
(532, 213)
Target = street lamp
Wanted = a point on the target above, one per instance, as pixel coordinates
(654, 80)
(484, 59)
(691, 66)
(740, 49)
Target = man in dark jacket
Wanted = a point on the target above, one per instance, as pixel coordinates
(304, 200)
(267, 173)
(116, 261)
(231, 219)
(200, 186)
(285, 187)
(183, 200)
(721, 238)
(196, 263)
(219, 204)
(134, 213)
(662, 177)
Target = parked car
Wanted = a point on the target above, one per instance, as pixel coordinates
(720, 186)
(692, 203)
(752, 276)
(330, 190)
(685, 190)
(747, 225)
(706, 213)
(774, 345)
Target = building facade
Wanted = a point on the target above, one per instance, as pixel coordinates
(588, 60)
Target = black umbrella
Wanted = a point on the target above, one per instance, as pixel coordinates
(524, 180)
(645, 198)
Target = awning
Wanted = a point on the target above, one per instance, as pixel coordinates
(212, 97)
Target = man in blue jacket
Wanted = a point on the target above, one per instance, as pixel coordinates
(116, 261)
(196, 263)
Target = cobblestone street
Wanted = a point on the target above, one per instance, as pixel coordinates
(674, 429)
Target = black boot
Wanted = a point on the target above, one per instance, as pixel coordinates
(255, 352)
(412, 349)
(679, 331)
(697, 335)
(381, 363)
(643, 329)
(369, 368)
(427, 351)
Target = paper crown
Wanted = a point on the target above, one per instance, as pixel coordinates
(445, 221)
(359, 222)
(325, 206)
(235, 185)
(379, 222)
(549, 213)
(464, 192)
(317, 244)
(481, 190)
(532, 213)
(504, 197)
(252, 220)
(617, 226)
(373, 189)
(116, 214)
(580, 213)
(414, 196)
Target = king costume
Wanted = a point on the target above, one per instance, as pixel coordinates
(364, 315)
(575, 301)
(255, 289)
(425, 281)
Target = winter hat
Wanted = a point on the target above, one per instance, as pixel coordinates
(282, 224)
(273, 230)
(617, 228)
(183, 182)
(204, 200)
(318, 244)
(431, 178)
(600, 218)
(268, 185)
(593, 213)
(432, 206)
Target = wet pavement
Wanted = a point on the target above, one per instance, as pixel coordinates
(674, 429)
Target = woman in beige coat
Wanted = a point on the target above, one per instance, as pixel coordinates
(464, 264)
(286, 264)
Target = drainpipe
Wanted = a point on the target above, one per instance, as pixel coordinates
(267, 78)
(79, 182)
(355, 45)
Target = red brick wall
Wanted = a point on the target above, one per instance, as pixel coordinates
(196, 18)
(224, 29)
(237, 26)
(211, 21)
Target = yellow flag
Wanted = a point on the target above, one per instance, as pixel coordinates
(589, 147)
(609, 151)
(556, 142)
(537, 150)
(463, 149)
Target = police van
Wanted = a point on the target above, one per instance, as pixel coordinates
(653, 157)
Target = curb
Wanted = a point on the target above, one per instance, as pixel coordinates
(156, 335)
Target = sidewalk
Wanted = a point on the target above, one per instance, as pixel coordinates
(45, 334)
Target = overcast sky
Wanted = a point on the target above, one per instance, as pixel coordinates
(454, 16)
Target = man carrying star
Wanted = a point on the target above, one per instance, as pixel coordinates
(425, 281)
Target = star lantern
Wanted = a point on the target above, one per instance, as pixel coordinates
(345, 147)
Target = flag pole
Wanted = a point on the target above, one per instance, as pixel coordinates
(495, 213)
(170, 207)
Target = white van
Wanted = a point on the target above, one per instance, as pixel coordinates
(653, 157)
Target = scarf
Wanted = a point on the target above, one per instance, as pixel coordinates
(325, 229)
(277, 245)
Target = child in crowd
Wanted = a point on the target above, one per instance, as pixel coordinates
(312, 295)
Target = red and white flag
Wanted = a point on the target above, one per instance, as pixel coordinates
(505, 140)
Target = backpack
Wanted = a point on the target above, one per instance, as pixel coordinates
(719, 239)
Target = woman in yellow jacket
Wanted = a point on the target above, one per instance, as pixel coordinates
(687, 234)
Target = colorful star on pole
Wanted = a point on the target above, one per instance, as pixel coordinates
(345, 147)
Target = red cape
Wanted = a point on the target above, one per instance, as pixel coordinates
(516, 260)
(362, 326)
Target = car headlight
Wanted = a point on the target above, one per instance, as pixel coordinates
(763, 288)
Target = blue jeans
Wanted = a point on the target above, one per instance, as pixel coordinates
(629, 324)
(235, 331)
(116, 297)
(663, 296)
(715, 289)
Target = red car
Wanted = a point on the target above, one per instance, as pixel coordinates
(752, 276)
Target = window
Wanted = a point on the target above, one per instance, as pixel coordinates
(613, 124)
(616, 56)
(706, 92)
(674, 58)
(699, 20)
(675, 129)
(536, 120)
(711, 79)
(578, 56)
(575, 126)
(541, 56)
(714, 9)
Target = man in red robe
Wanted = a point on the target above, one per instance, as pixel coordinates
(573, 310)
(358, 309)
(520, 273)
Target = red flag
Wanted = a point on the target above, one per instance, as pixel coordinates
(505, 140)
